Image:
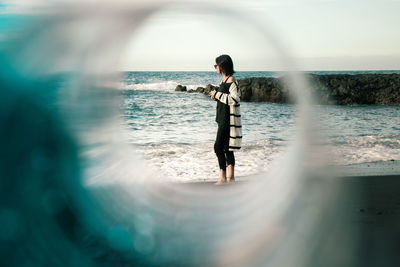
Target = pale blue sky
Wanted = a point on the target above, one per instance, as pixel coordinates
(319, 34)
(322, 35)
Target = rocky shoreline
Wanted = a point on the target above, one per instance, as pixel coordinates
(332, 89)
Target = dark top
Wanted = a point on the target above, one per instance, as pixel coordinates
(223, 109)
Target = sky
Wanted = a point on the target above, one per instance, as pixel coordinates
(258, 34)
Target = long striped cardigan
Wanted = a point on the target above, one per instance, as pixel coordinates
(232, 99)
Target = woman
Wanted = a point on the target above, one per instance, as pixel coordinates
(229, 135)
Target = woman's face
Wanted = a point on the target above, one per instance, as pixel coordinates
(217, 68)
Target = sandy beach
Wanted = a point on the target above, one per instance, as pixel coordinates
(356, 223)
(368, 209)
(372, 213)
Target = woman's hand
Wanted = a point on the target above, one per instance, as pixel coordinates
(212, 94)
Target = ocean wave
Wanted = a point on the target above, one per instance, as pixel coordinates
(156, 86)
(361, 149)
(197, 162)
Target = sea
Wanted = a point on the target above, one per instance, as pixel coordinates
(174, 132)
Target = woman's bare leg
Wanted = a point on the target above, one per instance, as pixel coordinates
(231, 174)
(222, 177)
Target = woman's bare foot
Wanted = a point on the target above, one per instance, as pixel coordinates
(222, 177)
(220, 181)
(230, 180)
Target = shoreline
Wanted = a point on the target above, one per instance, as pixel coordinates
(375, 168)
(356, 170)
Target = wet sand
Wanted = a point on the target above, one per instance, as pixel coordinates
(365, 212)
(372, 213)
(359, 225)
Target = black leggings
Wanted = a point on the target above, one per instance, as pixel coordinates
(221, 148)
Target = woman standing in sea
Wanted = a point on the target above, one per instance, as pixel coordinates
(229, 135)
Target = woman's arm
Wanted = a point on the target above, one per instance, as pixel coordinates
(232, 98)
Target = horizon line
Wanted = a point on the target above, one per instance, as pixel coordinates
(261, 70)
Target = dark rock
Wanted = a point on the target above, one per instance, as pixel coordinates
(200, 89)
(263, 90)
(335, 89)
(180, 88)
(359, 89)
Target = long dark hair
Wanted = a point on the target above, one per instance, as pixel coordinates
(225, 64)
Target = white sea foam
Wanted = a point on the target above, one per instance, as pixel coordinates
(197, 162)
(156, 86)
(360, 149)
(188, 163)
